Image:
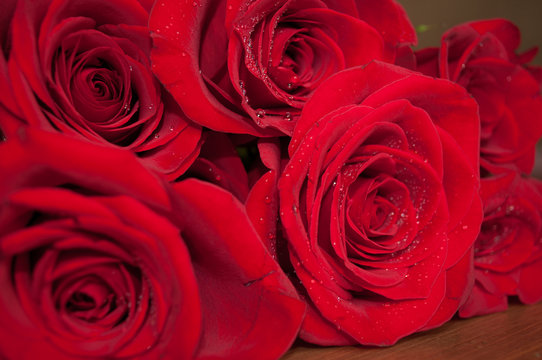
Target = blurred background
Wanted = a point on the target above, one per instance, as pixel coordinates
(434, 17)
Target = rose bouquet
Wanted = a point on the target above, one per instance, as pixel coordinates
(215, 179)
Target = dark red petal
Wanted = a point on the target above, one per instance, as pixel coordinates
(427, 61)
(176, 31)
(350, 87)
(250, 306)
(373, 322)
(36, 148)
(448, 105)
(480, 302)
(262, 200)
(529, 287)
(459, 283)
(176, 156)
(506, 31)
(318, 330)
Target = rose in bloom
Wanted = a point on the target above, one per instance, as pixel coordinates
(249, 66)
(379, 204)
(481, 57)
(83, 67)
(508, 251)
(101, 259)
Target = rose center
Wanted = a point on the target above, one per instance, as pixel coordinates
(80, 302)
(90, 300)
(104, 84)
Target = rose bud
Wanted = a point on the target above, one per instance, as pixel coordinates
(379, 204)
(250, 66)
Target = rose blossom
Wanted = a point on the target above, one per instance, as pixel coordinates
(82, 67)
(101, 258)
(379, 204)
(481, 57)
(508, 250)
(249, 66)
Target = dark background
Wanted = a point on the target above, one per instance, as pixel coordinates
(438, 16)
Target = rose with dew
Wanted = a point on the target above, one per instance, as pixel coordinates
(250, 66)
(83, 68)
(379, 204)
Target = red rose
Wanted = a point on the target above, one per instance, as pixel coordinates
(250, 66)
(481, 57)
(508, 251)
(101, 259)
(379, 204)
(82, 67)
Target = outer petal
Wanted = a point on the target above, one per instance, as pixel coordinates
(250, 308)
(36, 148)
(529, 289)
(176, 62)
(388, 17)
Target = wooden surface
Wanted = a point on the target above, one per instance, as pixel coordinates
(513, 334)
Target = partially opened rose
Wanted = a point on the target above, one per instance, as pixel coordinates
(249, 66)
(481, 56)
(379, 204)
(508, 250)
(102, 259)
(82, 67)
